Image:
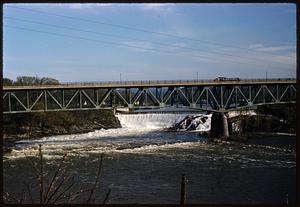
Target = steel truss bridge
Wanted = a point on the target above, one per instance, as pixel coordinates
(210, 95)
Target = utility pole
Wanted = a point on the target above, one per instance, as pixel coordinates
(197, 76)
(120, 77)
(183, 190)
(266, 75)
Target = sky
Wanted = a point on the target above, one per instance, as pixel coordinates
(113, 42)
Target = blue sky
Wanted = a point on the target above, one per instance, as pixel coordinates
(98, 42)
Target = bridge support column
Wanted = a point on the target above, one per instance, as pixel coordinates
(193, 105)
(219, 125)
(130, 107)
(162, 105)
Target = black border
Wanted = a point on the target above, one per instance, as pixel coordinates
(164, 1)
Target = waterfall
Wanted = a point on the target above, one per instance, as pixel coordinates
(150, 120)
(156, 120)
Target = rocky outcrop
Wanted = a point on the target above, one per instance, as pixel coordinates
(193, 123)
(258, 123)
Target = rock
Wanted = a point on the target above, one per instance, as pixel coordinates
(191, 123)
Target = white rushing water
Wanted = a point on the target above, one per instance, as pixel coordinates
(144, 134)
(135, 127)
(157, 121)
(150, 121)
(132, 124)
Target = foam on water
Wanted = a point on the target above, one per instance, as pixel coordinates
(104, 140)
(132, 125)
(143, 134)
(156, 147)
(55, 151)
(98, 134)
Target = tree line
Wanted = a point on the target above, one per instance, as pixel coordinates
(30, 80)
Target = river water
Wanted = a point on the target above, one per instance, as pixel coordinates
(143, 164)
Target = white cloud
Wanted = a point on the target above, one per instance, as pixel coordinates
(254, 46)
(276, 49)
(245, 58)
(68, 5)
(262, 48)
(231, 57)
(156, 6)
(260, 54)
(143, 6)
(140, 46)
(89, 5)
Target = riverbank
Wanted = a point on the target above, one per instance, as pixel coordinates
(36, 125)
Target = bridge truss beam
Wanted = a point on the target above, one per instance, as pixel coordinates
(211, 97)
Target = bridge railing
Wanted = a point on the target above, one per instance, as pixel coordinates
(146, 82)
(163, 82)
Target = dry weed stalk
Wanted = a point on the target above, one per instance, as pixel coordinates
(97, 179)
(60, 186)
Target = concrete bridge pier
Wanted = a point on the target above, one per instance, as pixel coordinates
(219, 125)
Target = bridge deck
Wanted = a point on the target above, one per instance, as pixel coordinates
(136, 84)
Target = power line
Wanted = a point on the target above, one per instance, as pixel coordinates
(123, 45)
(135, 39)
(142, 30)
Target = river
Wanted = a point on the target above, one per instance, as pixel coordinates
(143, 164)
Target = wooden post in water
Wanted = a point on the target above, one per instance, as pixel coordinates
(183, 190)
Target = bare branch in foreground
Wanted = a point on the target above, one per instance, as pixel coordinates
(29, 192)
(97, 178)
(106, 197)
(55, 177)
(41, 174)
